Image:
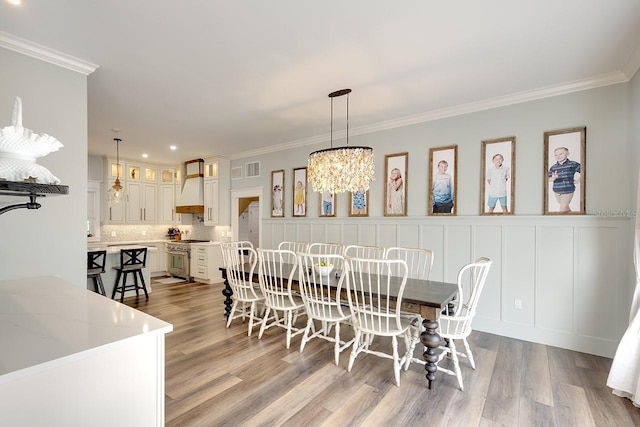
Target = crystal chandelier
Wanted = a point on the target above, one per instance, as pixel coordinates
(341, 169)
(117, 192)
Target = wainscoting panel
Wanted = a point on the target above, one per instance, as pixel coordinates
(519, 274)
(488, 243)
(572, 274)
(555, 285)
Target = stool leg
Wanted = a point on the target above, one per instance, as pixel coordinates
(135, 280)
(124, 286)
(144, 286)
(115, 288)
(101, 285)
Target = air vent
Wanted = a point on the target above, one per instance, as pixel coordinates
(236, 173)
(252, 169)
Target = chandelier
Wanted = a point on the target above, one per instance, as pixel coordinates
(341, 169)
(117, 192)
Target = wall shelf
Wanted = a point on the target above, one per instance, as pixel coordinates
(31, 190)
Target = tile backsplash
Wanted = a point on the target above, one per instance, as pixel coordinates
(133, 233)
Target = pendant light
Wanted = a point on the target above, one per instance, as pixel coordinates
(117, 193)
(341, 169)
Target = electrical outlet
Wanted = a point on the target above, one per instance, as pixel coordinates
(518, 304)
(144, 232)
(113, 234)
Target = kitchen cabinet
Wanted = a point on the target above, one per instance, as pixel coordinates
(168, 213)
(94, 206)
(217, 200)
(143, 199)
(206, 260)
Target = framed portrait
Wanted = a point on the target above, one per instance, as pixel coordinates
(565, 171)
(497, 176)
(395, 188)
(300, 192)
(327, 203)
(277, 194)
(359, 203)
(443, 180)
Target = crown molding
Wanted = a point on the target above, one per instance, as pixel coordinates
(34, 50)
(458, 110)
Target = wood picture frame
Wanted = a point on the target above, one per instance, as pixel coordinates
(299, 193)
(359, 203)
(277, 194)
(396, 167)
(443, 180)
(497, 176)
(327, 202)
(565, 170)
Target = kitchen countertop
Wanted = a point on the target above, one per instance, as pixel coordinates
(46, 321)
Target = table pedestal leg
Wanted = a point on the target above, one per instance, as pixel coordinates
(227, 292)
(431, 340)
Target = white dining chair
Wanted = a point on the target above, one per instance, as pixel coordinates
(419, 261)
(296, 247)
(247, 296)
(375, 296)
(457, 325)
(322, 300)
(360, 251)
(276, 276)
(328, 249)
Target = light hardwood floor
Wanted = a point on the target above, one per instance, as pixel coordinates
(217, 376)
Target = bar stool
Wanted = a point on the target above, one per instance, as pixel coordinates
(131, 261)
(95, 267)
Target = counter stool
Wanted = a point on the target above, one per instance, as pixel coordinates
(95, 267)
(131, 261)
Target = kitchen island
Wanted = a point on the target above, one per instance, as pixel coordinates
(113, 260)
(72, 357)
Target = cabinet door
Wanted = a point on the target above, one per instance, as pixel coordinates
(167, 204)
(134, 205)
(211, 187)
(150, 203)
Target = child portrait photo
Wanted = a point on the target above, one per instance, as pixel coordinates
(327, 203)
(359, 203)
(443, 180)
(395, 189)
(300, 192)
(564, 171)
(277, 193)
(497, 176)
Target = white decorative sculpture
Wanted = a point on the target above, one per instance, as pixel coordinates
(19, 149)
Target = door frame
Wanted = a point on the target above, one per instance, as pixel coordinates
(242, 193)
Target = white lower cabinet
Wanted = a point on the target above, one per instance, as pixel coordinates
(206, 260)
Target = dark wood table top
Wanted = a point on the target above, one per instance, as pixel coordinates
(417, 291)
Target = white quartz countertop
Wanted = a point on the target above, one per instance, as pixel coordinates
(47, 320)
(115, 249)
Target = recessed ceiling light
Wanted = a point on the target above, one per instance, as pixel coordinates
(173, 147)
(14, 2)
(145, 155)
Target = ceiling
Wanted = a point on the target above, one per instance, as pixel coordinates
(230, 78)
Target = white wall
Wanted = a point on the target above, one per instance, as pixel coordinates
(572, 273)
(50, 241)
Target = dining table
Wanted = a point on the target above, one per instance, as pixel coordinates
(425, 297)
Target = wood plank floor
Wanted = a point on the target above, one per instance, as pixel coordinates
(219, 376)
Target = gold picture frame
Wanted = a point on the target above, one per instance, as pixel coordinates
(497, 176)
(359, 203)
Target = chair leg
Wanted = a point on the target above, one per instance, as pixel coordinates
(305, 336)
(288, 326)
(469, 353)
(124, 286)
(337, 343)
(101, 285)
(233, 310)
(264, 322)
(411, 339)
(144, 286)
(456, 364)
(355, 349)
(252, 309)
(396, 359)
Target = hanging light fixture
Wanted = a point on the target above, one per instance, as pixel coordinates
(341, 169)
(117, 192)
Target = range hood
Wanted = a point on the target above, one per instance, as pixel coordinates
(192, 195)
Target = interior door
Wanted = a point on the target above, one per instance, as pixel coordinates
(254, 223)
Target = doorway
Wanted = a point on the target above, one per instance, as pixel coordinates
(246, 215)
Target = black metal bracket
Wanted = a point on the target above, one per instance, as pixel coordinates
(30, 205)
